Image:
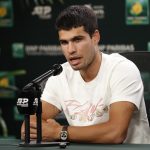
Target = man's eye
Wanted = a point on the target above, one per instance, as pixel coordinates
(77, 40)
(63, 42)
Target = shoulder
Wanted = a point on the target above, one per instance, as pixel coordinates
(117, 68)
(116, 61)
(122, 70)
(115, 58)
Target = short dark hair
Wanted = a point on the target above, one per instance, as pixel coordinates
(76, 16)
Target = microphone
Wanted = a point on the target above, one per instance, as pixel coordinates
(56, 70)
(29, 103)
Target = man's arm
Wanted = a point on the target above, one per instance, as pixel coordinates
(49, 110)
(112, 131)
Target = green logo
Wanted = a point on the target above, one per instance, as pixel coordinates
(137, 12)
(18, 50)
(6, 13)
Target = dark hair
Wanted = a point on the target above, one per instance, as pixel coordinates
(76, 16)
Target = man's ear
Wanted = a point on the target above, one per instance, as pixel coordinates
(96, 37)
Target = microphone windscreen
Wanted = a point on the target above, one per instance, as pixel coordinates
(57, 69)
(27, 102)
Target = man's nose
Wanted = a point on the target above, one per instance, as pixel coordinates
(71, 47)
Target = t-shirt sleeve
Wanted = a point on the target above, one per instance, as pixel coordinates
(50, 93)
(126, 83)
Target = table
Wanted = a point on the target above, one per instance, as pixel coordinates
(12, 144)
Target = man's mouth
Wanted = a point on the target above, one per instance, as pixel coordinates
(75, 60)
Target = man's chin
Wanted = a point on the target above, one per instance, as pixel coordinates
(75, 67)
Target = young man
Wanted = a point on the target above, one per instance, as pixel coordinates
(101, 95)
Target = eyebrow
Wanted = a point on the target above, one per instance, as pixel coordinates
(73, 39)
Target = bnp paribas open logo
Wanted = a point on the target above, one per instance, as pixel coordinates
(18, 50)
(137, 12)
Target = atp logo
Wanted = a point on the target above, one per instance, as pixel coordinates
(23, 102)
(43, 12)
(35, 102)
(40, 8)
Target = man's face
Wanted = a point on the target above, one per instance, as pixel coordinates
(78, 47)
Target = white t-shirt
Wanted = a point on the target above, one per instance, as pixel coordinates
(87, 103)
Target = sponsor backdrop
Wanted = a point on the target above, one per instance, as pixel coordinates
(29, 43)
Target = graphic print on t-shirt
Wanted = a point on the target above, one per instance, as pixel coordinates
(85, 112)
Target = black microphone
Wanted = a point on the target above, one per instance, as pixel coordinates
(28, 102)
(56, 70)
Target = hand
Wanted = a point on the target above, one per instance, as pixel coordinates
(32, 119)
(50, 130)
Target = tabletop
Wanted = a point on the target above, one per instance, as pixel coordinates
(13, 144)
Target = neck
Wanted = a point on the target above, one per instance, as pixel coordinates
(92, 70)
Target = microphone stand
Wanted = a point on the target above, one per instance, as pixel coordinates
(36, 88)
(27, 128)
(37, 92)
(38, 113)
(38, 142)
